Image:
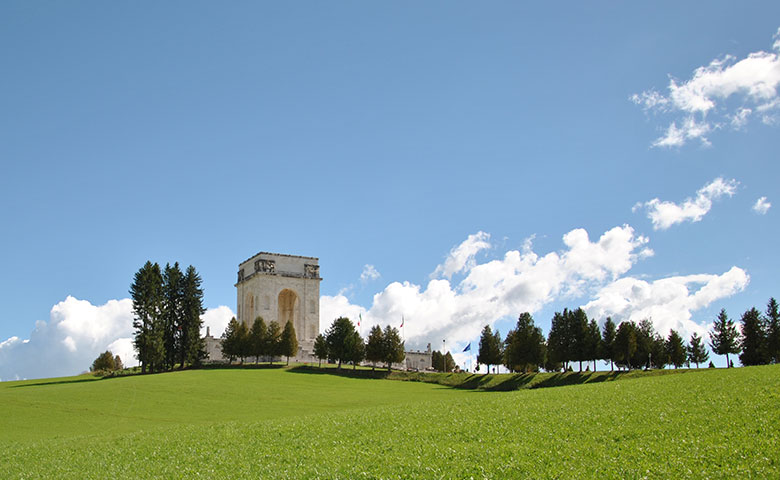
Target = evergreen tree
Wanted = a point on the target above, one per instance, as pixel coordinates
(394, 347)
(625, 344)
(697, 352)
(675, 349)
(659, 356)
(449, 363)
(173, 297)
(230, 340)
(558, 340)
(753, 339)
(578, 335)
(489, 348)
(355, 349)
(192, 347)
(243, 341)
(772, 331)
(437, 361)
(289, 342)
(320, 348)
(147, 296)
(274, 341)
(645, 342)
(336, 337)
(375, 347)
(258, 338)
(724, 338)
(608, 342)
(593, 343)
(524, 346)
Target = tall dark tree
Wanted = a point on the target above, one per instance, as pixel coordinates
(697, 352)
(724, 338)
(230, 343)
(580, 344)
(355, 349)
(289, 343)
(394, 347)
(192, 347)
(646, 341)
(336, 337)
(593, 343)
(258, 338)
(659, 356)
(625, 344)
(172, 311)
(772, 318)
(375, 346)
(146, 292)
(320, 348)
(273, 341)
(559, 340)
(442, 362)
(524, 345)
(243, 341)
(608, 342)
(489, 348)
(675, 349)
(753, 339)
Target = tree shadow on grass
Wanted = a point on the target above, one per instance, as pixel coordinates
(61, 382)
(343, 372)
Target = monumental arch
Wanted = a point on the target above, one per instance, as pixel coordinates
(281, 288)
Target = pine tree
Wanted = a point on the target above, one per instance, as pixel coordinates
(608, 342)
(753, 339)
(243, 342)
(192, 347)
(146, 293)
(593, 343)
(274, 341)
(558, 341)
(697, 353)
(173, 296)
(336, 337)
(320, 348)
(625, 344)
(258, 338)
(524, 346)
(289, 342)
(772, 318)
(645, 339)
(394, 347)
(724, 338)
(489, 348)
(375, 346)
(675, 349)
(230, 340)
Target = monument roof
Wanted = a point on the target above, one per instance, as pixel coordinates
(278, 255)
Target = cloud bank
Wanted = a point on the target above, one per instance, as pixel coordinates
(523, 280)
(76, 333)
(664, 214)
(726, 93)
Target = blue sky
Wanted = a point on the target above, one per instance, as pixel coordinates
(386, 135)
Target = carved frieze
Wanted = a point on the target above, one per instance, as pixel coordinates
(265, 266)
(312, 271)
(241, 275)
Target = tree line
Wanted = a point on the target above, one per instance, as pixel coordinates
(267, 341)
(574, 338)
(167, 305)
(342, 343)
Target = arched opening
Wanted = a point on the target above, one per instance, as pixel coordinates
(289, 311)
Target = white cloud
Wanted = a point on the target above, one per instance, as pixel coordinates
(761, 206)
(216, 319)
(697, 106)
(668, 302)
(521, 281)
(76, 333)
(463, 256)
(369, 273)
(664, 214)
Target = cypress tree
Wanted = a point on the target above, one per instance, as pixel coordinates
(258, 338)
(724, 338)
(697, 352)
(608, 342)
(274, 341)
(289, 343)
(753, 339)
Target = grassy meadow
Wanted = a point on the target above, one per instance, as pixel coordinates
(281, 423)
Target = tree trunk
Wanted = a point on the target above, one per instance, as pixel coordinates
(728, 363)
(339, 364)
(288, 359)
(611, 368)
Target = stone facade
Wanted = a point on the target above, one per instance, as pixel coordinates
(418, 361)
(282, 288)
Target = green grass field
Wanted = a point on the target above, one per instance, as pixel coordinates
(276, 423)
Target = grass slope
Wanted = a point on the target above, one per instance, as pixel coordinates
(709, 423)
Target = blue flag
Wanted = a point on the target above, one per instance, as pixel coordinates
(468, 348)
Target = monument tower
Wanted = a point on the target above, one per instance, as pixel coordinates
(281, 288)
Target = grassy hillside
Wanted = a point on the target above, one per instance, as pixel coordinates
(281, 424)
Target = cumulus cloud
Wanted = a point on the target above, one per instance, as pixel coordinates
(664, 214)
(76, 333)
(706, 102)
(216, 320)
(668, 302)
(520, 281)
(761, 206)
(369, 273)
